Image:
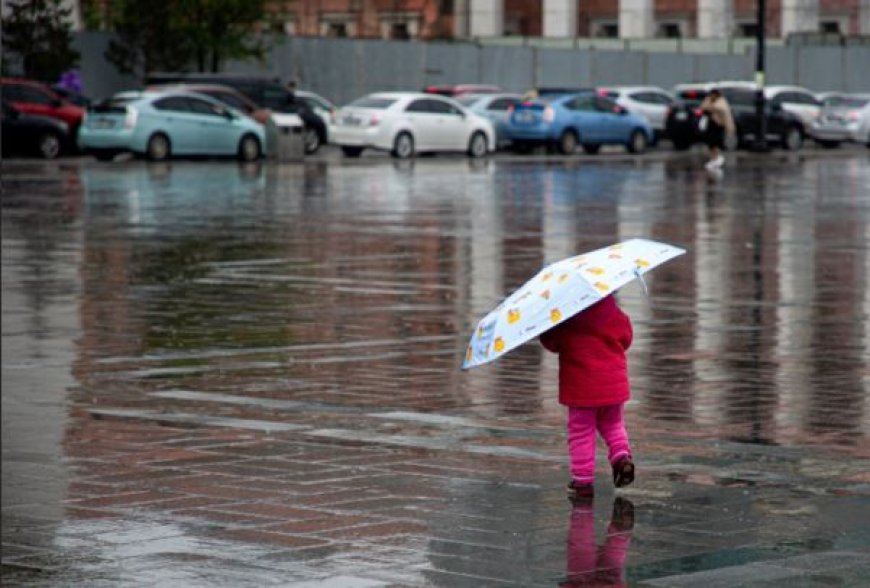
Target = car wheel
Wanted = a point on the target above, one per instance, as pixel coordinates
(477, 146)
(249, 148)
(792, 139)
(591, 148)
(158, 148)
(567, 143)
(637, 142)
(403, 146)
(828, 144)
(105, 154)
(352, 151)
(50, 145)
(312, 140)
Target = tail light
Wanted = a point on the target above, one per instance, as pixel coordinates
(854, 115)
(549, 114)
(130, 118)
(375, 120)
(699, 112)
(511, 108)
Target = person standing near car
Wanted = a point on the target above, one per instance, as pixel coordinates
(720, 123)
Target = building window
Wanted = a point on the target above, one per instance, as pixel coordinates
(670, 30)
(336, 29)
(830, 27)
(399, 30)
(747, 29)
(607, 30)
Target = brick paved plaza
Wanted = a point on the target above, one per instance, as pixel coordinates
(217, 375)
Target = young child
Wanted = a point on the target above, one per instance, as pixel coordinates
(593, 384)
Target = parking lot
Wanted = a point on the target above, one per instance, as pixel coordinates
(225, 374)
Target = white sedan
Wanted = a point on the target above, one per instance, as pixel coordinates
(650, 101)
(405, 123)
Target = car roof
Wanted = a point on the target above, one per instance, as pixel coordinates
(195, 88)
(634, 89)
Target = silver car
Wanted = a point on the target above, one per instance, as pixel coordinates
(844, 118)
(496, 108)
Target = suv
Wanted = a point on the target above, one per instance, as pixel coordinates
(265, 92)
(31, 97)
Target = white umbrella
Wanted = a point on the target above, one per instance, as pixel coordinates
(561, 290)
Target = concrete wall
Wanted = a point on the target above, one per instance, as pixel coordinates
(344, 69)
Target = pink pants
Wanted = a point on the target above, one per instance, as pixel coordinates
(582, 424)
(589, 564)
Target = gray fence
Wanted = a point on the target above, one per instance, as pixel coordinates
(343, 69)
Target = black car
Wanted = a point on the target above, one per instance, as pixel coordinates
(29, 134)
(682, 125)
(265, 92)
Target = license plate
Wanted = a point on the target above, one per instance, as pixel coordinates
(526, 117)
(102, 123)
(351, 121)
(681, 116)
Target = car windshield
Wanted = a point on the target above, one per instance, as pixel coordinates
(846, 102)
(372, 102)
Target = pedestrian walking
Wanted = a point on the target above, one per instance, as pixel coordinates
(720, 123)
(593, 384)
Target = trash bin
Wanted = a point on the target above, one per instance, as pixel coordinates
(285, 137)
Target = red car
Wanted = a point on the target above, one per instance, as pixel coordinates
(33, 97)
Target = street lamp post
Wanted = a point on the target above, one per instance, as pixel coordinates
(761, 134)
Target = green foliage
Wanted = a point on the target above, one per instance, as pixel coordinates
(150, 37)
(38, 32)
(173, 36)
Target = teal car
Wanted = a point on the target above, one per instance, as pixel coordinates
(160, 125)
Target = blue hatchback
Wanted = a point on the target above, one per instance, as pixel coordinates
(567, 120)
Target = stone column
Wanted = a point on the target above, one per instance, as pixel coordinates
(636, 19)
(487, 18)
(560, 18)
(715, 19)
(800, 16)
(864, 17)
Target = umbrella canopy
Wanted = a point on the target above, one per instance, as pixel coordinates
(559, 291)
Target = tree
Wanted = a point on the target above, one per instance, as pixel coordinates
(38, 32)
(150, 37)
(223, 29)
(172, 36)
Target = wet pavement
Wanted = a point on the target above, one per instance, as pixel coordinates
(224, 375)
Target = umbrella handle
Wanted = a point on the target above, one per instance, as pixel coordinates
(645, 288)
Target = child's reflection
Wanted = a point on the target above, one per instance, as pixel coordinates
(589, 564)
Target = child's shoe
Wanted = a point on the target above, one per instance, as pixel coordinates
(623, 472)
(579, 493)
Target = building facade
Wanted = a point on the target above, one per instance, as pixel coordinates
(630, 19)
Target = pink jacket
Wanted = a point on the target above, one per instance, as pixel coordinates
(591, 347)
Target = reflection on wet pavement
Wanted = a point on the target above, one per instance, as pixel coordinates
(249, 375)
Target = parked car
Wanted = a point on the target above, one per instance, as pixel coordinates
(843, 118)
(160, 125)
(497, 108)
(406, 123)
(265, 92)
(784, 128)
(319, 105)
(31, 134)
(682, 124)
(229, 96)
(650, 101)
(33, 97)
(587, 119)
(797, 100)
(460, 89)
(70, 96)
